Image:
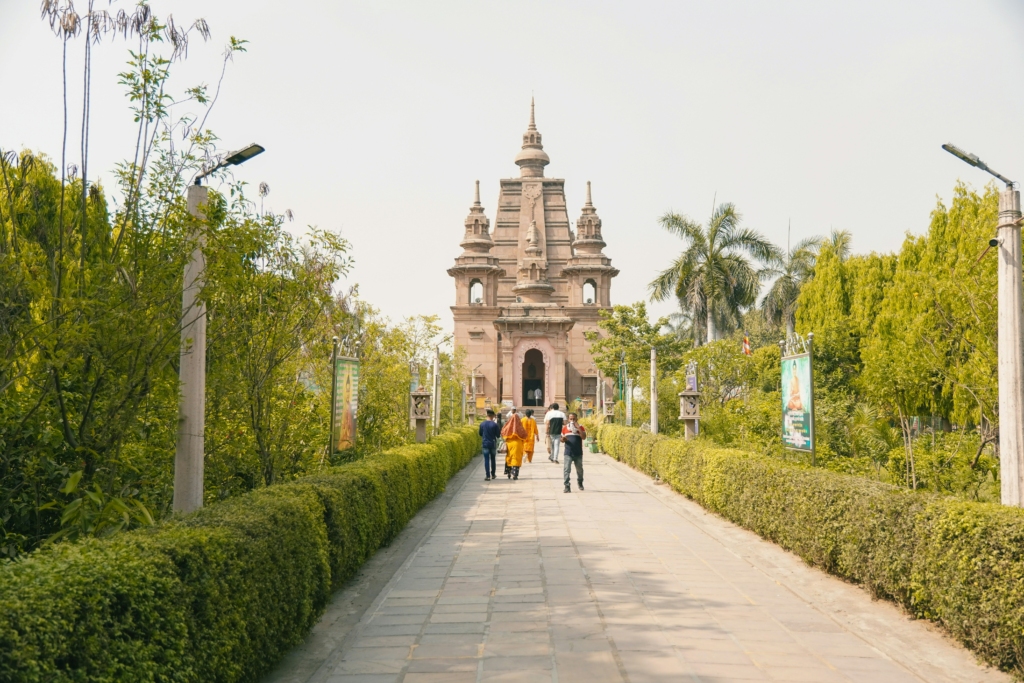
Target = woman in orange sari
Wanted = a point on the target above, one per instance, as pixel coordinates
(514, 434)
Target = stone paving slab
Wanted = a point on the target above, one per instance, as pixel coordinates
(624, 582)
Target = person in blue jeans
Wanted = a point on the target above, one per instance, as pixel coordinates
(490, 432)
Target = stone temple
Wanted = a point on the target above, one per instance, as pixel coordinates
(528, 291)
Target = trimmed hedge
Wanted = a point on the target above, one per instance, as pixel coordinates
(958, 563)
(219, 595)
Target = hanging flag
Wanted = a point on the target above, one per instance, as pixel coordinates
(746, 345)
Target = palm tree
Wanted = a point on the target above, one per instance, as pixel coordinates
(713, 277)
(683, 326)
(790, 273)
(839, 242)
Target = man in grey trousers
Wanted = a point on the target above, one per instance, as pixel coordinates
(573, 435)
(553, 421)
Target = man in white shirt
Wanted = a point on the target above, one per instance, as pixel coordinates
(554, 419)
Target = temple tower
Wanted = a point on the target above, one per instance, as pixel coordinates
(526, 295)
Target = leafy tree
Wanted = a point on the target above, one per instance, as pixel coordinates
(90, 312)
(269, 299)
(627, 333)
(713, 277)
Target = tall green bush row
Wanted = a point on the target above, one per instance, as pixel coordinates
(219, 595)
(955, 562)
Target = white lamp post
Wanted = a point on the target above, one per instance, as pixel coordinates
(1011, 336)
(654, 390)
(188, 451)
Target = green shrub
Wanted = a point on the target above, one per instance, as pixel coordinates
(958, 563)
(219, 595)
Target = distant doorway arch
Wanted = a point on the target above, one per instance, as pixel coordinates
(533, 378)
(518, 390)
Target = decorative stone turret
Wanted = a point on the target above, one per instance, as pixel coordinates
(532, 159)
(478, 236)
(589, 270)
(476, 272)
(588, 229)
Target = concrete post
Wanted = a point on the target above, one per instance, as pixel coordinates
(188, 452)
(437, 390)
(334, 396)
(629, 402)
(654, 391)
(1011, 351)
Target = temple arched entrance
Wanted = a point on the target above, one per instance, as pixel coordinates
(533, 367)
(534, 390)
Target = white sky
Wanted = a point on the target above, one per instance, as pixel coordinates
(378, 116)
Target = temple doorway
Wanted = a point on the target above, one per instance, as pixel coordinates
(533, 379)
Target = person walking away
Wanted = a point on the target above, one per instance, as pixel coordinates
(490, 432)
(573, 434)
(532, 437)
(515, 438)
(503, 417)
(553, 421)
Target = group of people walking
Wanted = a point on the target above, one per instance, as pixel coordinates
(516, 439)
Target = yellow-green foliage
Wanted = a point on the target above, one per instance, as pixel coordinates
(955, 562)
(221, 594)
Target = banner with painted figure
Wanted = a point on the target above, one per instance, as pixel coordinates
(797, 403)
(346, 393)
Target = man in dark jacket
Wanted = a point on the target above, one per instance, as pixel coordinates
(490, 432)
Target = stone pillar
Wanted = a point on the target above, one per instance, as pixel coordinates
(1011, 352)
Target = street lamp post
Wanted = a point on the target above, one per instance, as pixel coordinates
(188, 451)
(1011, 336)
(654, 390)
(437, 389)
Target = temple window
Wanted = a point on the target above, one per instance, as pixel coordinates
(476, 292)
(589, 292)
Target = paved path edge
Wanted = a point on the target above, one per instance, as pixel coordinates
(824, 589)
(313, 659)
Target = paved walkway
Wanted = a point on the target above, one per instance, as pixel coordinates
(626, 581)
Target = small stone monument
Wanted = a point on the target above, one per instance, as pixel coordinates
(419, 411)
(689, 403)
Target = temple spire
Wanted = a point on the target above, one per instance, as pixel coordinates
(476, 195)
(532, 159)
(589, 202)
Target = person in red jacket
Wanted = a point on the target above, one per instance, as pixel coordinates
(573, 435)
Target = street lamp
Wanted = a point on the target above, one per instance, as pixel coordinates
(1011, 335)
(188, 450)
(973, 160)
(232, 159)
